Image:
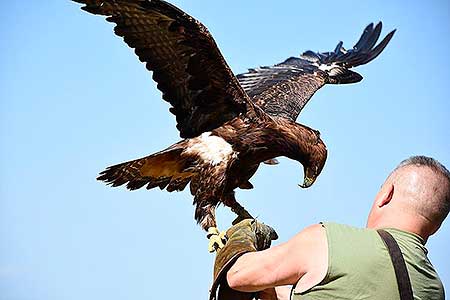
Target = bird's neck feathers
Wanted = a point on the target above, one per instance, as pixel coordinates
(297, 141)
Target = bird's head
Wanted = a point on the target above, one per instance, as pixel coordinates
(312, 158)
(311, 172)
(303, 144)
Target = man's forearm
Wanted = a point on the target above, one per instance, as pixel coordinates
(248, 273)
(258, 271)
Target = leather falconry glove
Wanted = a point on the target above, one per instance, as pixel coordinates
(248, 235)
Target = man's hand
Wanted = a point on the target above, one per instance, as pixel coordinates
(247, 236)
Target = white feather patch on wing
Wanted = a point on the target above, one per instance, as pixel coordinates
(210, 148)
(325, 67)
(332, 69)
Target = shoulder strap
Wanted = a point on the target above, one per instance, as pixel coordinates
(401, 273)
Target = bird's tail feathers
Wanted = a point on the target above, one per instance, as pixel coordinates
(164, 169)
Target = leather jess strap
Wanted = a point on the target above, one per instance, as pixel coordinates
(401, 273)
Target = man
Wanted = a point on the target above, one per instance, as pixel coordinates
(332, 261)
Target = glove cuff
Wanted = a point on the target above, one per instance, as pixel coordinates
(246, 236)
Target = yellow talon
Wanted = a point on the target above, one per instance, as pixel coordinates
(223, 236)
(217, 239)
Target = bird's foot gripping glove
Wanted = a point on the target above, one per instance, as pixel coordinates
(248, 235)
(216, 239)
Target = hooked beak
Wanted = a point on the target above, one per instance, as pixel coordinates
(307, 182)
(309, 178)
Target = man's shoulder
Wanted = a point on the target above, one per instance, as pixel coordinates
(309, 235)
(309, 252)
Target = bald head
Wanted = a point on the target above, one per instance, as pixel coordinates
(414, 197)
(423, 185)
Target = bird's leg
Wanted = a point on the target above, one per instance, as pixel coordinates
(241, 212)
(216, 238)
(238, 209)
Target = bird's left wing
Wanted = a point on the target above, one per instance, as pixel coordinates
(186, 62)
(284, 89)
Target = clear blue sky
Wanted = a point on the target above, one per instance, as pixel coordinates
(75, 99)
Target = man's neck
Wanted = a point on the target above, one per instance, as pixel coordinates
(405, 224)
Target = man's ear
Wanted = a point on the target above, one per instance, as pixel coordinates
(386, 195)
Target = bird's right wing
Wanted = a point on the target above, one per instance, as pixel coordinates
(284, 89)
(186, 62)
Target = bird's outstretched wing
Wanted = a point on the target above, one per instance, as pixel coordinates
(284, 89)
(186, 62)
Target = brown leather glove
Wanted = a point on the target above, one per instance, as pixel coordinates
(247, 236)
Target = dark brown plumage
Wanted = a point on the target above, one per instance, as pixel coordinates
(229, 126)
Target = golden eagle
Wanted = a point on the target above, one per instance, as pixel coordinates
(229, 124)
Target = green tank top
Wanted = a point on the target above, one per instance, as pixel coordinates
(359, 267)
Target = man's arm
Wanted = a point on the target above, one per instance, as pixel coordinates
(303, 259)
(276, 293)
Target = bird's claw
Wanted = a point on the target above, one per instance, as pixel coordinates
(217, 239)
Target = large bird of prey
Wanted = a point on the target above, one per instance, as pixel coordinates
(229, 124)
